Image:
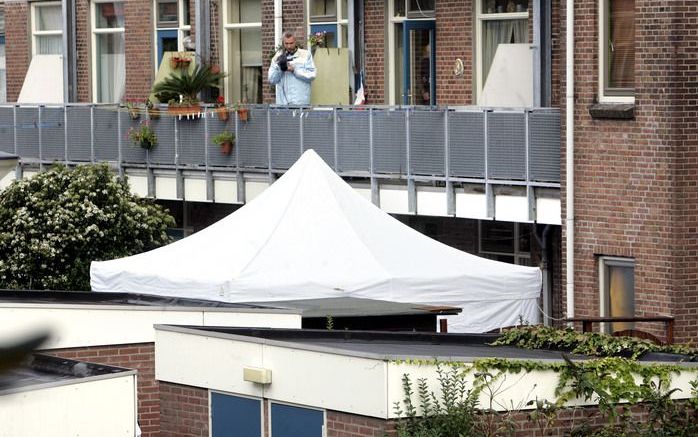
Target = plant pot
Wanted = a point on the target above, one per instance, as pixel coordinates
(191, 110)
(134, 114)
(174, 63)
(223, 114)
(226, 147)
(243, 114)
(184, 63)
(153, 113)
(146, 144)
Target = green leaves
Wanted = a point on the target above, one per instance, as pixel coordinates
(187, 84)
(53, 225)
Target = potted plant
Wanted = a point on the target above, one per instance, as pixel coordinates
(143, 136)
(226, 140)
(133, 111)
(221, 109)
(318, 39)
(153, 111)
(181, 88)
(242, 112)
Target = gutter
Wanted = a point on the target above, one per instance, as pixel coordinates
(569, 155)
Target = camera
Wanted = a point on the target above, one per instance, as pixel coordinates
(284, 59)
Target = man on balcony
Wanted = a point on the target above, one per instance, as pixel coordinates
(291, 70)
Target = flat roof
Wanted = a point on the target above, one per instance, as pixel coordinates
(42, 371)
(358, 307)
(378, 344)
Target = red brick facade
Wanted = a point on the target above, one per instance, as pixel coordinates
(138, 22)
(17, 46)
(184, 410)
(635, 190)
(140, 357)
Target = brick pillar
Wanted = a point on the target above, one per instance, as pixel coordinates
(17, 46)
(138, 17)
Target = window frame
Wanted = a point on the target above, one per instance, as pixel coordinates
(228, 81)
(603, 262)
(95, 31)
(517, 254)
(604, 96)
(38, 33)
(340, 22)
(183, 30)
(480, 18)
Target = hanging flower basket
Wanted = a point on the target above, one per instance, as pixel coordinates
(226, 147)
(243, 114)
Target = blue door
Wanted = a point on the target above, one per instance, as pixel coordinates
(419, 66)
(289, 421)
(234, 416)
(167, 42)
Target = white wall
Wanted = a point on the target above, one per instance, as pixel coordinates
(88, 407)
(93, 325)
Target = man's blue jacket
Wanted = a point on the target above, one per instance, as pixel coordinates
(293, 88)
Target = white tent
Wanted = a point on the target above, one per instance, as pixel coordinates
(310, 235)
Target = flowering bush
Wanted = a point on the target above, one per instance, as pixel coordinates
(143, 136)
(55, 223)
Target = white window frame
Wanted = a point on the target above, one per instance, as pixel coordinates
(481, 17)
(392, 21)
(613, 261)
(603, 31)
(339, 22)
(34, 21)
(228, 81)
(181, 28)
(93, 39)
(517, 253)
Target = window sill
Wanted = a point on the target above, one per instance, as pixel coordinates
(612, 111)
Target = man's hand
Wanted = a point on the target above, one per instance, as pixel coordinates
(290, 67)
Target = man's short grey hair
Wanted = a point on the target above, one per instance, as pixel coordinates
(289, 34)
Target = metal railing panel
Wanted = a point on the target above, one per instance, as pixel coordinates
(215, 157)
(106, 134)
(389, 139)
(79, 135)
(285, 137)
(252, 140)
(506, 148)
(53, 133)
(130, 152)
(7, 129)
(427, 143)
(190, 141)
(164, 151)
(466, 142)
(353, 141)
(28, 132)
(318, 134)
(544, 140)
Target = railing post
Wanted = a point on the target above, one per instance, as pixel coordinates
(530, 194)
(489, 194)
(65, 132)
(18, 169)
(411, 188)
(119, 141)
(41, 144)
(210, 187)
(300, 126)
(375, 189)
(92, 136)
(179, 179)
(334, 125)
(450, 194)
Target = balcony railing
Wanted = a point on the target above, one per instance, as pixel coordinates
(470, 145)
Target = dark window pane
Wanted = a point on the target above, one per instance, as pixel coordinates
(497, 236)
(621, 47)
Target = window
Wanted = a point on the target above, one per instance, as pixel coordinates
(325, 16)
(497, 22)
(242, 23)
(411, 44)
(617, 284)
(505, 241)
(617, 51)
(3, 77)
(173, 26)
(108, 61)
(47, 25)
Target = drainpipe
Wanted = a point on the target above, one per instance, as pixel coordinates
(278, 21)
(569, 155)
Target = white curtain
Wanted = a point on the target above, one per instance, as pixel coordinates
(497, 32)
(49, 18)
(251, 84)
(111, 71)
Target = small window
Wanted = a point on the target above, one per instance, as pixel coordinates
(414, 8)
(617, 284)
(505, 241)
(47, 25)
(108, 59)
(168, 14)
(617, 50)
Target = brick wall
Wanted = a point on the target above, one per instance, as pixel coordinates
(138, 18)
(268, 44)
(140, 357)
(375, 51)
(82, 51)
(351, 425)
(454, 39)
(635, 179)
(17, 46)
(184, 409)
